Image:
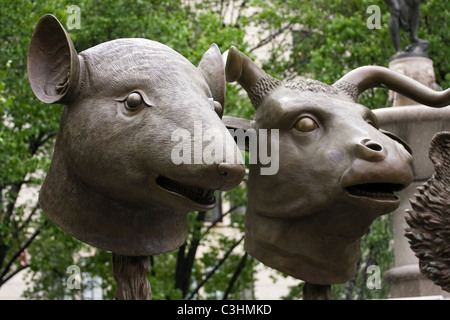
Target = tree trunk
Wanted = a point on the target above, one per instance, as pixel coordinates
(3, 249)
(185, 262)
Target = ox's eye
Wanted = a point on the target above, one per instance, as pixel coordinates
(306, 124)
(134, 101)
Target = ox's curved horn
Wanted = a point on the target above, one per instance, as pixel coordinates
(359, 80)
(252, 78)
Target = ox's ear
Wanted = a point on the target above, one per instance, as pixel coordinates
(213, 69)
(234, 123)
(53, 64)
(398, 139)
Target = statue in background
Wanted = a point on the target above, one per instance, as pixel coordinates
(405, 15)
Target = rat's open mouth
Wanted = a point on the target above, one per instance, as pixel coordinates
(196, 194)
(377, 191)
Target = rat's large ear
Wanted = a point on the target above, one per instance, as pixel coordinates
(213, 69)
(53, 64)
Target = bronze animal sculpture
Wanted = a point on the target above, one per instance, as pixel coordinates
(338, 170)
(429, 218)
(112, 182)
(405, 15)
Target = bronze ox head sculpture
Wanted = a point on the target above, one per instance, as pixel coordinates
(112, 182)
(338, 170)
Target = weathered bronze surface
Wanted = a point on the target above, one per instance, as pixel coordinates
(316, 292)
(429, 218)
(112, 182)
(338, 171)
(130, 274)
(405, 15)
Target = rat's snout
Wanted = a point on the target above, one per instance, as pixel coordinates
(208, 155)
(232, 173)
(230, 168)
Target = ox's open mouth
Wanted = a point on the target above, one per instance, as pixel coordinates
(196, 194)
(376, 191)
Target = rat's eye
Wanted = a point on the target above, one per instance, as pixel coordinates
(134, 100)
(306, 124)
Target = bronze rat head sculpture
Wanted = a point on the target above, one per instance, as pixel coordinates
(112, 182)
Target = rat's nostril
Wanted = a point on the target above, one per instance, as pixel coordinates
(223, 171)
(232, 173)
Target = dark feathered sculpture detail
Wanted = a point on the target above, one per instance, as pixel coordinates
(429, 219)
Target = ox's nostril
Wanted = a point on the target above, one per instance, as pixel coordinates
(232, 173)
(370, 150)
(374, 146)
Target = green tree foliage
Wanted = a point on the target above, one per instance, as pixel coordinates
(315, 39)
(26, 130)
(331, 38)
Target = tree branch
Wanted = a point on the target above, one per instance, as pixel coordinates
(179, 270)
(25, 223)
(235, 276)
(50, 135)
(14, 194)
(241, 9)
(185, 262)
(210, 274)
(19, 251)
(12, 274)
(270, 37)
(42, 138)
(214, 223)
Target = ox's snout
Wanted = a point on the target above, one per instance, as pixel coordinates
(370, 150)
(382, 166)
